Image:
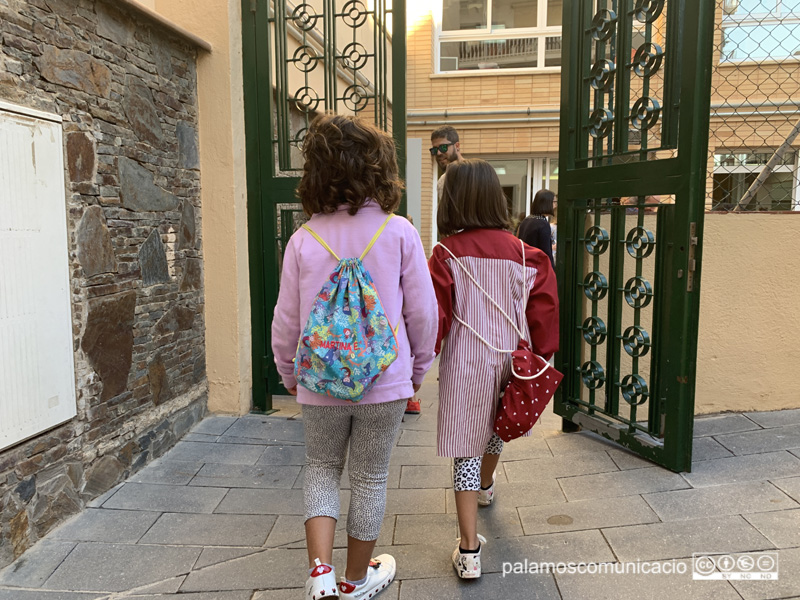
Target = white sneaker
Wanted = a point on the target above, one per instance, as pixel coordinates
(380, 574)
(468, 566)
(321, 583)
(485, 497)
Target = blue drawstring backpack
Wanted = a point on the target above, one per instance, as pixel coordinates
(347, 341)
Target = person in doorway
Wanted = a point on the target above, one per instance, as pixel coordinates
(492, 289)
(446, 149)
(535, 229)
(350, 187)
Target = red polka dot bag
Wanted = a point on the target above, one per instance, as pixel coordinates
(533, 380)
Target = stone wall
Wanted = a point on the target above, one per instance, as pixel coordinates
(126, 89)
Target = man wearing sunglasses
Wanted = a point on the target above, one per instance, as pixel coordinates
(445, 148)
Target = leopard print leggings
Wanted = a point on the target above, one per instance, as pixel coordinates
(467, 471)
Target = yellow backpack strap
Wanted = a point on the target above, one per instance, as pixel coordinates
(375, 237)
(321, 241)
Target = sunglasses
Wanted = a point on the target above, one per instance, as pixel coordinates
(440, 148)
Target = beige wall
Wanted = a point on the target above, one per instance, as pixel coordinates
(227, 303)
(749, 322)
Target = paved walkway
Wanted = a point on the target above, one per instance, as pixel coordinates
(219, 517)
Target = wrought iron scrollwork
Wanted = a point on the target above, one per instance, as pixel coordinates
(638, 292)
(354, 14)
(640, 242)
(304, 17)
(355, 56)
(594, 331)
(600, 123)
(306, 100)
(634, 390)
(593, 375)
(647, 11)
(647, 60)
(595, 286)
(355, 98)
(602, 75)
(596, 241)
(636, 341)
(645, 113)
(305, 58)
(603, 25)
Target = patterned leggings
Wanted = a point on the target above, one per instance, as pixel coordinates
(467, 471)
(370, 430)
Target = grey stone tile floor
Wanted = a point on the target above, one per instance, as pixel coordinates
(219, 517)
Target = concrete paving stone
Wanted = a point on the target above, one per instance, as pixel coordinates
(103, 525)
(210, 530)
(245, 441)
(237, 476)
(514, 495)
(167, 471)
(621, 483)
(170, 585)
(101, 499)
(734, 499)
(18, 594)
(738, 469)
(120, 567)
(707, 448)
(786, 586)
(410, 529)
(284, 594)
(271, 429)
(166, 498)
(627, 460)
(493, 585)
(430, 476)
(200, 437)
(585, 514)
(776, 418)
(583, 442)
(525, 448)
(213, 556)
(421, 561)
(573, 546)
(680, 539)
(273, 568)
(283, 455)
(33, 568)
(408, 455)
(781, 527)
(613, 585)
(790, 485)
(414, 502)
(240, 595)
(269, 502)
(214, 425)
(417, 439)
(424, 422)
(721, 424)
(219, 453)
(536, 469)
(289, 532)
(764, 440)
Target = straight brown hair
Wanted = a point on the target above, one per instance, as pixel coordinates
(348, 161)
(472, 198)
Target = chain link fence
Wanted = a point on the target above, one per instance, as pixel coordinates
(754, 142)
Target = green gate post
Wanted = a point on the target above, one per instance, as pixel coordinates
(614, 145)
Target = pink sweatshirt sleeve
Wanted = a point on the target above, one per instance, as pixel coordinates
(286, 325)
(420, 310)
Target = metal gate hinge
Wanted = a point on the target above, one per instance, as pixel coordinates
(692, 257)
(253, 5)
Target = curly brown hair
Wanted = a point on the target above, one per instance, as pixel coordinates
(348, 161)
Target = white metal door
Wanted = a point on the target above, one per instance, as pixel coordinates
(37, 375)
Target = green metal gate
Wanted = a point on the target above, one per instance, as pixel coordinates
(342, 56)
(633, 152)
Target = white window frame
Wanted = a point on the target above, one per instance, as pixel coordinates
(476, 35)
(756, 169)
(773, 17)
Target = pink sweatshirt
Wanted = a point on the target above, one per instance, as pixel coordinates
(398, 267)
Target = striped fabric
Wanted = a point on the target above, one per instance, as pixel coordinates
(471, 376)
